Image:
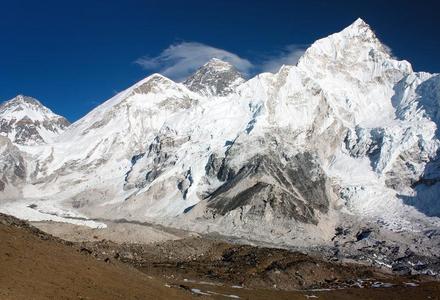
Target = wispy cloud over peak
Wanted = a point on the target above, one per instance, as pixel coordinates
(287, 56)
(180, 60)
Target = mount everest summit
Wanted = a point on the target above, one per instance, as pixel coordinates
(345, 141)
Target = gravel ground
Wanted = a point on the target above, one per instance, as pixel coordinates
(208, 267)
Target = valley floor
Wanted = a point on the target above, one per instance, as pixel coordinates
(107, 264)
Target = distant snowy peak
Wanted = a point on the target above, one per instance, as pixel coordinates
(24, 120)
(215, 78)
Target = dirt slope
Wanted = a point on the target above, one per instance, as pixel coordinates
(34, 265)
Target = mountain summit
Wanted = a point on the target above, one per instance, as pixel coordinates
(215, 78)
(360, 27)
(24, 120)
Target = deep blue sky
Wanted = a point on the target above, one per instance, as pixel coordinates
(73, 55)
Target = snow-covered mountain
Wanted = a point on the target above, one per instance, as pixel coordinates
(347, 138)
(25, 121)
(215, 78)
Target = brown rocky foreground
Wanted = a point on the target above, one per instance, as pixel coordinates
(219, 268)
(36, 265)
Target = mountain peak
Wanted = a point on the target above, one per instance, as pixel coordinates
(24, 120)
(154, 83)
(218, 64)
(153, 79)
(359, 22)
(359, 28)
(354, 49)
(215, 78)
(23, 100)
(20, 105)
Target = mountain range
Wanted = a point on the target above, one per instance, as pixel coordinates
(339, 152)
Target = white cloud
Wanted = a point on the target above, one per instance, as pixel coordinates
(180, 60)
(389, 51)
(289, 56)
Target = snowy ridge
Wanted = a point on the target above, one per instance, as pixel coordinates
(347, 137)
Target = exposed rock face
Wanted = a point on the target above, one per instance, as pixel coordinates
(215, 78)
(12, 170)
(273, 187)
(27, 122)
